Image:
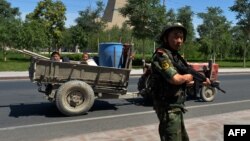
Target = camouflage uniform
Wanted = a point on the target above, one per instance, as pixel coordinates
(168, 98)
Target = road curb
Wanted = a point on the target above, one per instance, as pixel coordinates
(134, 73)
(14, 77)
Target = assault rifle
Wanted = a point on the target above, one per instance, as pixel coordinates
(198, 77)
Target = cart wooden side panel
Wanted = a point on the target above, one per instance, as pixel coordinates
(44, 71)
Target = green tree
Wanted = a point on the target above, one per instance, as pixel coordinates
(8, 12)
(171, 16)
(90, 22)
(126, 34)
(238, 43)
(33, 36)
(242, 7)
(185, 16)
(146, 17)
(212, 31)
(114, 34)
(9, 23)
(122, 34)
(52, 14)
(78, 37)
(65, 41)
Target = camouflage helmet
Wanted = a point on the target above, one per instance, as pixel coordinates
(170, 27)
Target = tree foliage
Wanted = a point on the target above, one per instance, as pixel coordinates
(117, 34)
(89, 22)
(185, 16)
(171, 16)
(9, 23)
(146, 17)
(8, 12)
(33, 36)
(242, 7)
(8, 18)
(75, 36)
(214, 27)
(52, 15)
(238, 42)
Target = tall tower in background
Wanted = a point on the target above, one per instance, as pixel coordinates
(112, 15)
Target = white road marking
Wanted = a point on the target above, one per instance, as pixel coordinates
(74, 121)
(112, 116)
(217, 104)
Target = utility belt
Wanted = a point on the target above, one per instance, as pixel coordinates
(176, 108)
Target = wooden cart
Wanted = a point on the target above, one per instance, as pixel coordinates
(74, 87)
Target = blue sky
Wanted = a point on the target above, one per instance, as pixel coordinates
(74, 6)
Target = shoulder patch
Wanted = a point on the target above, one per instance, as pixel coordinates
(165, 65)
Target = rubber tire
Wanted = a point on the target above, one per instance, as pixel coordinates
(75, 85)
(207, 93)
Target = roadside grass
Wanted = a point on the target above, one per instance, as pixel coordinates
(15, 62)
(232, 64)
(20, 62)
(14, 66)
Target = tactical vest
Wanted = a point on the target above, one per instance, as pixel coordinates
(173, 95)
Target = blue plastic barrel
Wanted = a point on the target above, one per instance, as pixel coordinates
(110, 54)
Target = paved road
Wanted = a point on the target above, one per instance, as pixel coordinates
(24, 111)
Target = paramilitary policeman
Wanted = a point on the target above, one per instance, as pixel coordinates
(170, 83)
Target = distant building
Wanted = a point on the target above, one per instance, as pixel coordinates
(112, 15)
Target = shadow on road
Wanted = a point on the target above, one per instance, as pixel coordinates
(140, 102)
(48, 109)
(100, 105)
(40, 109)
(114, 104)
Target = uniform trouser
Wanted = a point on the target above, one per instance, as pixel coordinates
(171, 127)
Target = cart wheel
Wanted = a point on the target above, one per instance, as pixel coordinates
(74, 98)
(207, 93)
